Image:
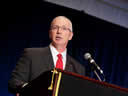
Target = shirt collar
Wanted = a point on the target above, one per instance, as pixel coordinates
(55, 52)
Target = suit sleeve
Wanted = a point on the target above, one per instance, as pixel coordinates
(20, 74)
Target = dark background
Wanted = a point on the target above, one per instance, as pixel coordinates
(26, 24)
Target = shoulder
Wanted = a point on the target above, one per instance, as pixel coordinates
(36, 51)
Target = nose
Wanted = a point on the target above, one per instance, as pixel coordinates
(59, 30)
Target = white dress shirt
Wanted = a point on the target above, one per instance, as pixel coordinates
(55, 57)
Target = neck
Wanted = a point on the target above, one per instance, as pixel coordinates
(60, 48)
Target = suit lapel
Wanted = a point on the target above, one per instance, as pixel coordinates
(48, 59)
(69, 66)
(50, 64)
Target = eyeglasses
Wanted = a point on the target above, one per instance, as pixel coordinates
(63, 28)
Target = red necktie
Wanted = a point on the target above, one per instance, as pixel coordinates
(59, 63)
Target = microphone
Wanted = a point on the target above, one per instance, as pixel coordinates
(88, 57)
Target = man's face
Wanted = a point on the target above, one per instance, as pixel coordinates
(60, 32)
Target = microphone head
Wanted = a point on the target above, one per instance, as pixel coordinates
(87, 56)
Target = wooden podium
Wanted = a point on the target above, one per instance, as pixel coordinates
(62, 83)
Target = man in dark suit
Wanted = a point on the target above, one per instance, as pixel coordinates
(36, 61)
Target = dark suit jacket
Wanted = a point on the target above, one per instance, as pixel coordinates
(34, 62)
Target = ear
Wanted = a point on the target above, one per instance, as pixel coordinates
(71, 35)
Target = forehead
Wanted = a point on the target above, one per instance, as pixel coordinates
(61, 21)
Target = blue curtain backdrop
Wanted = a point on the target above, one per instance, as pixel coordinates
(28, 26)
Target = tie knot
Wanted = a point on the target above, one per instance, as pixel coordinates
(59, 56)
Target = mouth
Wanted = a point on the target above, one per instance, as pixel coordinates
(58, 37)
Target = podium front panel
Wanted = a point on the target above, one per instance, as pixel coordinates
(74, 86)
